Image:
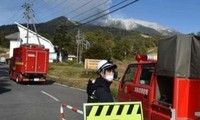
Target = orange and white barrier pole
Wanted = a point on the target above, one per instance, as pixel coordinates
(69, 107)
(61, 113)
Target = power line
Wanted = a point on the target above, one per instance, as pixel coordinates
(104, 10)
(53, 7)
(72, 11)
(106, 14)
(75, 8)
(45, 5)
(79, 7)
(36, 1)
(15, 16)
(93, 8)
(89, 9)
(49, 3)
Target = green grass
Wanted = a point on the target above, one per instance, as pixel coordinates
(74, 75)
(67, 73)
(3, 52)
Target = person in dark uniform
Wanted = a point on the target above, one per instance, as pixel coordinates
(99, 90)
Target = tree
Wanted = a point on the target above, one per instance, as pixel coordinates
(122, 49)
(103, 38)
(65, 41)
(97, 51)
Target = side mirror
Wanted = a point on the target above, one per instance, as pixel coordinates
(115, 75)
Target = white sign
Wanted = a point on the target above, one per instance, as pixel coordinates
(141, 90)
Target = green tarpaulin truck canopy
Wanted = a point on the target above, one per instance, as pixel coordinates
(179, 56)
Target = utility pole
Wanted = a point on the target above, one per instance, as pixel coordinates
(28, 14)
(81, 43)
(78, 42)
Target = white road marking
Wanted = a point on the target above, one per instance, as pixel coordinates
(78, 89)
(70, 87)
(61, 84)
(50, 96)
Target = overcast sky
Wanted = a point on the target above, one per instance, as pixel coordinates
(181, 15)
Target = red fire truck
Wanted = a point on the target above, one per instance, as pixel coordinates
(29, 63)
(169, 87)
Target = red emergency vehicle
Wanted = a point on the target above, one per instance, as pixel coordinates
(169, 88)
(29, 63)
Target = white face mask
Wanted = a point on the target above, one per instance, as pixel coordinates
(109, 77)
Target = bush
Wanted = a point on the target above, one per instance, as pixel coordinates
(97, 52)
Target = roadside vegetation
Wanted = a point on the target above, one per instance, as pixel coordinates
(104, 43)
(3, 51)
(72, 74)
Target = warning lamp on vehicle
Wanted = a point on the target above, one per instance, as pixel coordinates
(140, 58)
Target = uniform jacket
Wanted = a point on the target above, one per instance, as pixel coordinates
(103, 92)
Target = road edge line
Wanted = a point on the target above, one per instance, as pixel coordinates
(50, 96)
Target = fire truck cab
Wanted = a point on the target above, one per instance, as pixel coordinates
(169, 88)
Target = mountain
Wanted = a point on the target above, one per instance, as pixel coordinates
(137, 25)
(51, 26)
(145, 27)
(125, 24)
(118, 27)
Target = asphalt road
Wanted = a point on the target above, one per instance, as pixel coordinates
(37, 102)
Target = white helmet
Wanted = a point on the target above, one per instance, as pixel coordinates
(105, 64)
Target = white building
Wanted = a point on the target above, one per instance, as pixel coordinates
(18, 38)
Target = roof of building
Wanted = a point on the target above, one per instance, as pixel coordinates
(13, 36)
